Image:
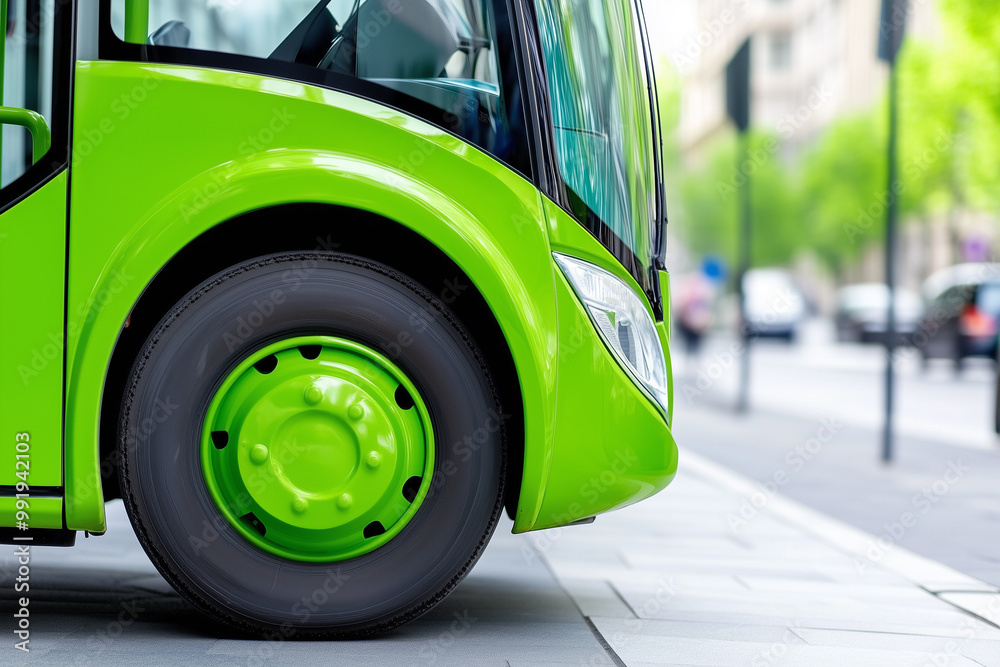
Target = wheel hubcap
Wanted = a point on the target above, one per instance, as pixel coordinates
(317, 449)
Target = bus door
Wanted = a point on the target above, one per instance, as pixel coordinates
(35, 94)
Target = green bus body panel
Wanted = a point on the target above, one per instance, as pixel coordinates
(612, 446)
(43, 512)
(32, 285)
(162, 153)
(664, 329)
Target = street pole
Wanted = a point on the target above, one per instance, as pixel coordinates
(743, 398)
(738, 108)
(892, 27)
(890, 272)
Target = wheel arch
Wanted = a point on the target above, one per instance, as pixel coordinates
(307, 227)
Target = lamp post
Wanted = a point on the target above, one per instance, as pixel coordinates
(738, 108)
(891, 29)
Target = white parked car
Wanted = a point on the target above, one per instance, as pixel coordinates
(775, 306)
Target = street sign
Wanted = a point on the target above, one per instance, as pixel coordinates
(714, 268)
(892, 26)
(738, 87)
(738, 107)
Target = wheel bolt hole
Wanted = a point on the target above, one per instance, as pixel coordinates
(220, 439)
(411, 487)
(267, 364)
(403, 398)
(310, 351)
(373, 529)
(251, 520)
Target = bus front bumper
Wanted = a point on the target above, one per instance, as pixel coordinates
(611, 445)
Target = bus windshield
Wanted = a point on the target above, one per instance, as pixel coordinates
(603, 125)
(448, 55)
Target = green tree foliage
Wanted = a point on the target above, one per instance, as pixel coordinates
(710, 201)
(930, 119)
(844, 190)
(830, 197)
(970, 66)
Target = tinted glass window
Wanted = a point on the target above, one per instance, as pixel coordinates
(602, 115)
(448, 54)
(28, 59)
(988, 298)
(951, 301)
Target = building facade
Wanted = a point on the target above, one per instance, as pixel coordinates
(811, 62)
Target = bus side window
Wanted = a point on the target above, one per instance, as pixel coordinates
(27, 86)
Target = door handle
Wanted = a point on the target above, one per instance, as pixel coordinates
(41, 137)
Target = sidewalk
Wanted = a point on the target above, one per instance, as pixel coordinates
(715, 572)
(668, 582)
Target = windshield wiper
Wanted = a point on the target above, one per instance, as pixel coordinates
(291, 45)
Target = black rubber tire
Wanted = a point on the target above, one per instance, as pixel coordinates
(187, 357)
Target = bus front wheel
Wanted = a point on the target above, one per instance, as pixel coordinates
(312, 445)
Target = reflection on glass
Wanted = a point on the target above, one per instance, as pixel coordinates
(601, 110)
(27, 78)
(441, 52)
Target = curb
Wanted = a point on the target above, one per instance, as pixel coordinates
(970, 594)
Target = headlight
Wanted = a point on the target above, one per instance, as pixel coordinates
(623, 322)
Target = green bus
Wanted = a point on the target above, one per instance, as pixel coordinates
(320, 288)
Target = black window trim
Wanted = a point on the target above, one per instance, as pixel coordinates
(111, 47)
(56, 160)
(660, 243)
(550, 181)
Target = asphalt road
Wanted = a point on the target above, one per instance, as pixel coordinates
(815, 423)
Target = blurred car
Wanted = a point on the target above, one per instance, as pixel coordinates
(861, 313)
(962, 318)
(775, 307)
(996, 412)
(969, 273)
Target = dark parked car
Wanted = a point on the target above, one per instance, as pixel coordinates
(962, 320)
(996, 413)
(861, 313)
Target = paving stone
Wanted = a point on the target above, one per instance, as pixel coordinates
(944, 647)
(984, 605)
(635, 649)
(619, 628)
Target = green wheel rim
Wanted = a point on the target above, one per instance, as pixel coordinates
(317, 449)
